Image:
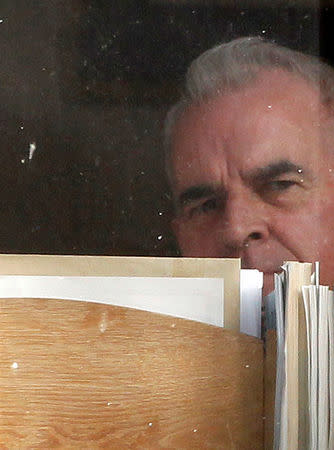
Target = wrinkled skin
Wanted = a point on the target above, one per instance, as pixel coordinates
(253, 177)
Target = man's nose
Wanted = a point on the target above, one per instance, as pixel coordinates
(245, 223)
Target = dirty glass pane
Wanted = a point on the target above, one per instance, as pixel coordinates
(84, 89)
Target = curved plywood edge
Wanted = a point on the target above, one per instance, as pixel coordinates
(85, 375)
(122, 266)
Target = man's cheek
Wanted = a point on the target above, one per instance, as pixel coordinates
(192, 241)
(303, 236)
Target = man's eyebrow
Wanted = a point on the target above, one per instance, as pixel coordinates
(275, 169)
(194, 193)
(260, 174)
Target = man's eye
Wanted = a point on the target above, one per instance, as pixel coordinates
(205, 207)
(279, 185)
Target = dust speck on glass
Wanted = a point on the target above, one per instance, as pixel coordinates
(84, 90)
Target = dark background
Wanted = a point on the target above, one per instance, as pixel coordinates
(89, 82)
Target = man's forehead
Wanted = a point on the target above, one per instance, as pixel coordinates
(273, 91)
(253, 128)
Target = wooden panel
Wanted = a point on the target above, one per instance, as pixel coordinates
(229, 269)
(85, 375)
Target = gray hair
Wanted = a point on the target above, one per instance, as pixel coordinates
(232, 65)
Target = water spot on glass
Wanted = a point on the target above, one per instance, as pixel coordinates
(32, 149)
(263, 31)
(1, 20)
(159, 237)
(160, 213)
(21, 127)
(109, 403)
(195, 430)
(330, 170)
(150, 424)
(173, 325)
(269, 106)
(23, 161)
(247, 366)
(302, 181)
(14, 365)
(142, 172)
(300, 170)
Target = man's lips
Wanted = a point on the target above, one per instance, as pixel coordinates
(271, 272)
(269, 261)
(268, 274)
(265, 270)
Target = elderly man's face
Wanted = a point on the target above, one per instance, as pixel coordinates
(254, 177)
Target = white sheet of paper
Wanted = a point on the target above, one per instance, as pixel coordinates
(198, 299)
(251, 283)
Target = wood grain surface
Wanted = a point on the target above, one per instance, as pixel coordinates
(86, 376)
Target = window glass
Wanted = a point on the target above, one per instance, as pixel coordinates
(84, 89)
